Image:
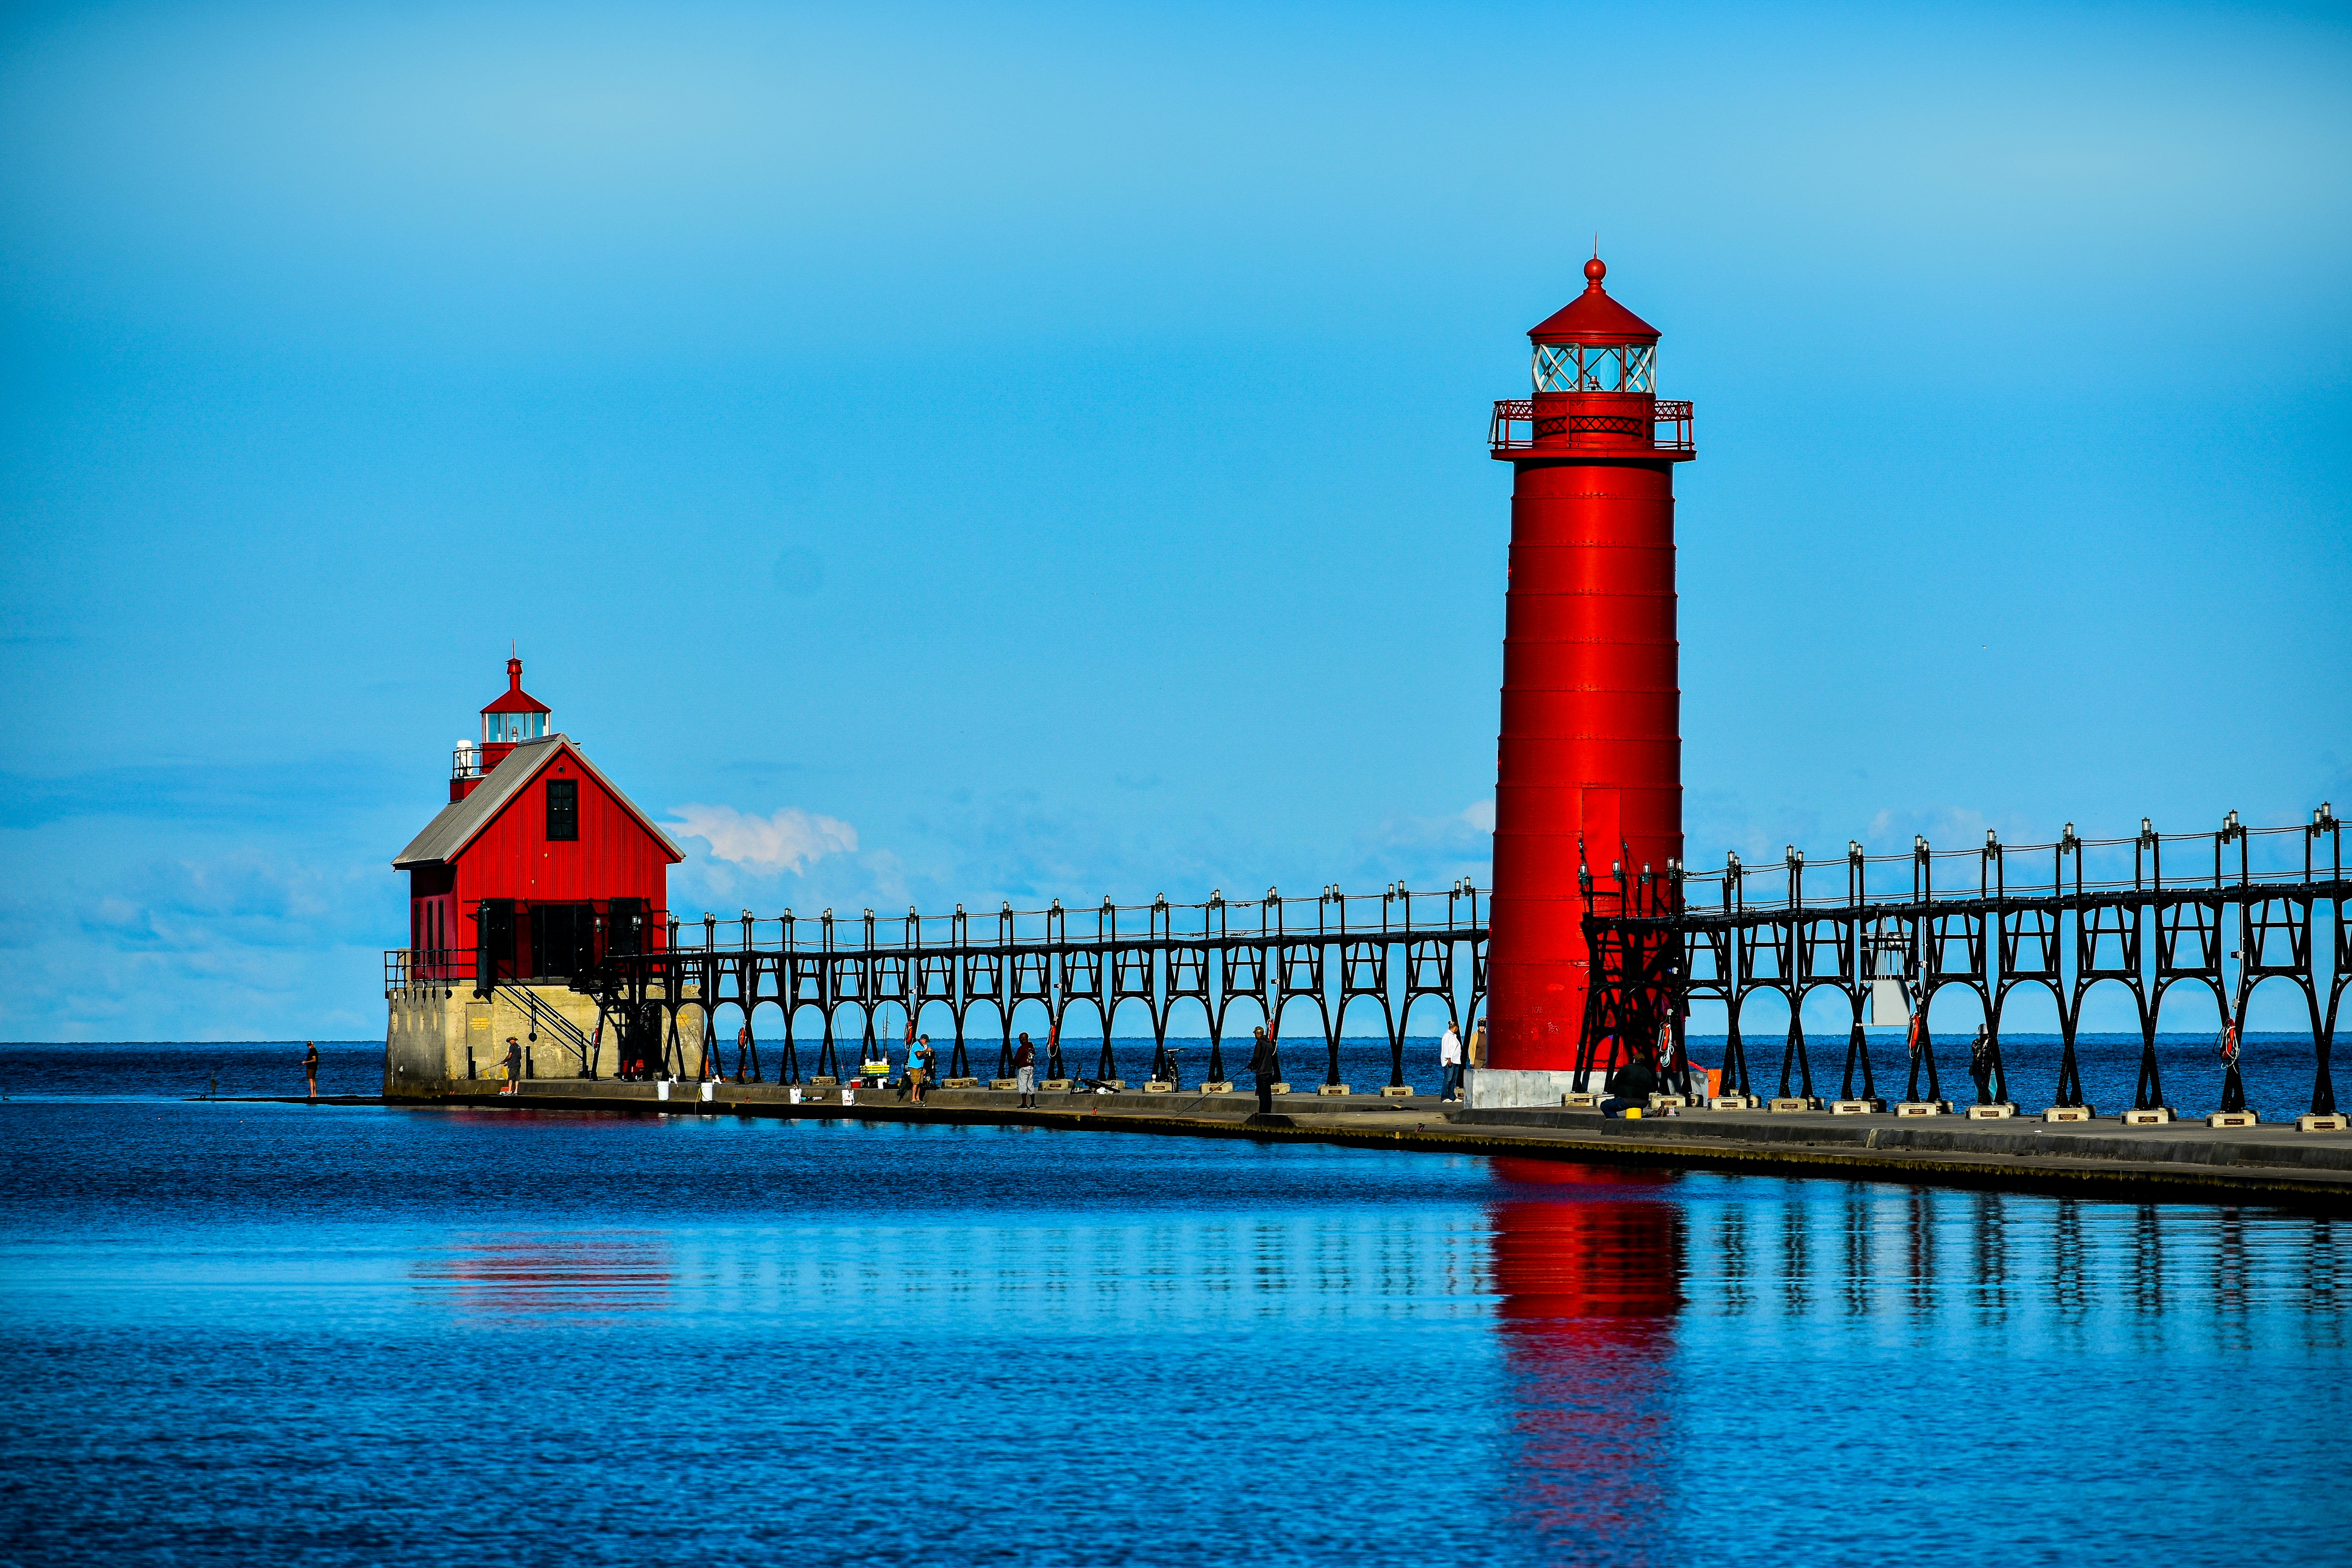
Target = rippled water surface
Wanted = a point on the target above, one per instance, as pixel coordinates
(258, 1332)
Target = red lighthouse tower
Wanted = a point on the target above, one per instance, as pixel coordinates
(1591, 749)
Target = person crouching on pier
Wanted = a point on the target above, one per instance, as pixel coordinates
(1265, 1062)
(1630, 1087)
(1025, 1073)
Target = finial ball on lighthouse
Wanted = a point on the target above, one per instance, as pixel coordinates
(1595, 270)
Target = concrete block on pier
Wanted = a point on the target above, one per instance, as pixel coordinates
(1396, 1092)
(1662, 1102)
(824, 1083)
(2232, 1119)
(959, 1083)
(1159, 1085)
(1579, 1100)
(1530, 1089)
(1004, 1083)
(1924, 1108)
(2000, 1111)
(1796, 1102)
(1332, 1089)
(1732, 1103)
(1058, 1085)
(2069, 1113)
(1282, 1088)
(1855, 1107)
(1221, 1086)
(2155, 1115)
(2319, 1122)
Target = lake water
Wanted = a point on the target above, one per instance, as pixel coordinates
(2277, 1068)
(236, 1333)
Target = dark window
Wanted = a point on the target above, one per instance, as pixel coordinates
(624, 927)
(563, 809)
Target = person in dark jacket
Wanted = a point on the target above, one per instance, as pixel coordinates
(1265, 1062)
(1981, 1064)
(1629, 1085)
(1025, 1073)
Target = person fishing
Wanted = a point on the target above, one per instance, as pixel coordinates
(1265, 1061)
(1631, 1086)
(310, 1066)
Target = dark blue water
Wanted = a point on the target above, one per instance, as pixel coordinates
(239, 1333)
(2278, 1069)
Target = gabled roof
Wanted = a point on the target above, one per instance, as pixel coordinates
(461, 821)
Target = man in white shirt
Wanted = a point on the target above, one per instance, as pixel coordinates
(1449, 1056)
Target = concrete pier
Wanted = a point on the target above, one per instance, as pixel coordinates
(2180, 1161)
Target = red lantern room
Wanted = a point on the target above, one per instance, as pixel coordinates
(539, 864)
(515, 717)
(1589, 766)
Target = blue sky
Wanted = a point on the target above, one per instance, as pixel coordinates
(1034, 452)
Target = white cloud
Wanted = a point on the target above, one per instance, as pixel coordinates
(1480, 815)
(788, 841)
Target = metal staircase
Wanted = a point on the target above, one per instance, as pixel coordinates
(546, 1020)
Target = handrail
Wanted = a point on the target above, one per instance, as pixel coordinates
(546, 1018)
(1503, 435)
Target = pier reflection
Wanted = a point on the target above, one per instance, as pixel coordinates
(1587, 1269)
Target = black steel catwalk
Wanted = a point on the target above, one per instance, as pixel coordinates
(2234, 911)
(1385, 951)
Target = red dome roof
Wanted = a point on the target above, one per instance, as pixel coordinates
(1592, 317)
(514, 699)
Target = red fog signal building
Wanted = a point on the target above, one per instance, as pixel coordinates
(539, 864)
(536, 868)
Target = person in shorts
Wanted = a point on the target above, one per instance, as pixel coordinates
(923, 1069)
(1025, 1073)
(310, 1065)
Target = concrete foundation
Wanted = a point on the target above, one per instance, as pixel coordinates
(437, 1043)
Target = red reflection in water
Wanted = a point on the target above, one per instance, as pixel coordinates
(1588, 1268)
(589, 1277)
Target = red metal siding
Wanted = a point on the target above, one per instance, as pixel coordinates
(1590, 746)
(614, 857)
(1590, 742)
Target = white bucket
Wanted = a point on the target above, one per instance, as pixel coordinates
(661, 1090)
